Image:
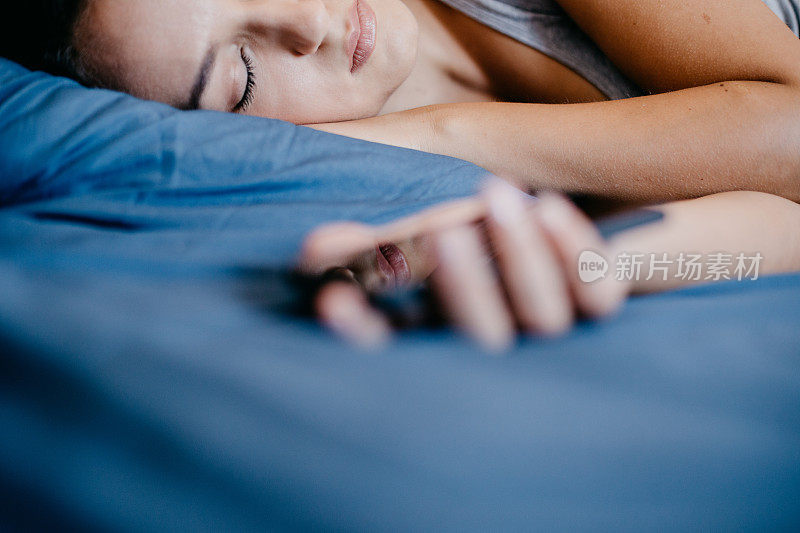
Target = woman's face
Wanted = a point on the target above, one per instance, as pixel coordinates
(377, 265)
(304, 61)
(382, 258)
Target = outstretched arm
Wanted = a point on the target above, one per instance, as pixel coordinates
(724, 113)
(715, 229)
(540, 287)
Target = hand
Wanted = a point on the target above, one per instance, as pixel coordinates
(533, 285)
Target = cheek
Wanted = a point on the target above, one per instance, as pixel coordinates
(366, 269)
(309, 93)
(399, 36)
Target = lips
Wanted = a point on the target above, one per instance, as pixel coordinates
(361, 41)
(393, 265)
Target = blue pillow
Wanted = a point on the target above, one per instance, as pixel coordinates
(185, 403)
(237, 188)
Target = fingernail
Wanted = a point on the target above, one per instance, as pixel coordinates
(351, 318)
(506, 204)
(497, 343)
(554, 212)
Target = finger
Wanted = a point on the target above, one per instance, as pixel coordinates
(343, 308)
(334, 245)
(467, 289)
(531, 271)
(576, 239)
(442, 216)
(337, 243)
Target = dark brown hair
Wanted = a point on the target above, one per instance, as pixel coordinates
(39, 35)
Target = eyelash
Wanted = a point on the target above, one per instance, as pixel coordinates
(247, 98)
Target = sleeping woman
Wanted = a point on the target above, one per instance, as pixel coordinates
(627, 101)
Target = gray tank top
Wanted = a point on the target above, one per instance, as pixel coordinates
(544, 26)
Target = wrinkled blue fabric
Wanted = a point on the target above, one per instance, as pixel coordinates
(148, 382)
(213, 187)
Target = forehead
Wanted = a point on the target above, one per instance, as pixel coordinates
(150, 48)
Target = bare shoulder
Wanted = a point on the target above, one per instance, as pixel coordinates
(666, 45)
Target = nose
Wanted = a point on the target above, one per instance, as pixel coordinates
(298, 25)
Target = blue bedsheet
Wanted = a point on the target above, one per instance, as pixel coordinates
(149, 382)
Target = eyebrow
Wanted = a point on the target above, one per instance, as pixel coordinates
(201, 81)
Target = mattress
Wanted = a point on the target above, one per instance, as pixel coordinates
(153, 380)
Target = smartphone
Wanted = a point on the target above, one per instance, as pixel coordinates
(411, 307)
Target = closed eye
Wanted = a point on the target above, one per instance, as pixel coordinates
(249, 90)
